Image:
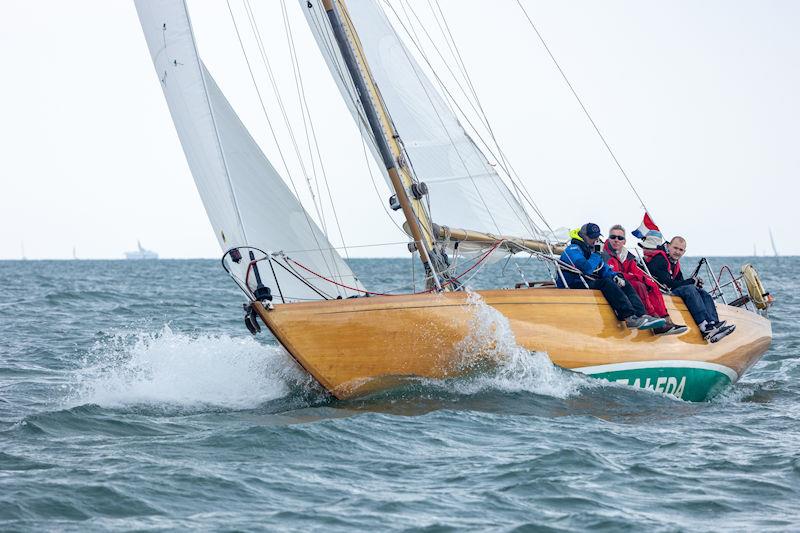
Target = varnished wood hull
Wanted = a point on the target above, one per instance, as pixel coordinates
(360, 345)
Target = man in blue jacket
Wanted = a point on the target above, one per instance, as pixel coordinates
(589, 271)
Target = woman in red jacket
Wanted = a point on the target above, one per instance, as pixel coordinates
(621, 260)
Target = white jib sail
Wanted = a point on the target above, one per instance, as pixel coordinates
(246, 200)
(465, 190)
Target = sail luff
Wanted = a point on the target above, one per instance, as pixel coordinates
(383, 131)
(231, 191)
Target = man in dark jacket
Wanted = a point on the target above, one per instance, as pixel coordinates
(664, 265)
(593, 273)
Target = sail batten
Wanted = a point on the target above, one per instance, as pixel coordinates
(247, 201)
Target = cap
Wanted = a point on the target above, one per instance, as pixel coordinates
(591, 230)
(652, 240)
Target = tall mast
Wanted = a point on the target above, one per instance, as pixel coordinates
(385, 135)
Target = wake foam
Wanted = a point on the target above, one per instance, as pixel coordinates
(516, 369)
(179, 370)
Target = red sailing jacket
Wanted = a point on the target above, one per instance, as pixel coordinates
(628, 267)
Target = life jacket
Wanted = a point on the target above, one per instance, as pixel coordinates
(673, 268)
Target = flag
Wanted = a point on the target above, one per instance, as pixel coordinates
(646, 226)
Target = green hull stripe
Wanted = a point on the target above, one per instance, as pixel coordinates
(688, 380)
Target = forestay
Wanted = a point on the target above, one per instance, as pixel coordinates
(465, 191)
(247, 202)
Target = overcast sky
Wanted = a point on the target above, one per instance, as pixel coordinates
(699, 101)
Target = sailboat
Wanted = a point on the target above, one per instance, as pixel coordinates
(772, 243)
(459, 213)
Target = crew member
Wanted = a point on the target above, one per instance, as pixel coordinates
(589, 271)
(621, 260)
(663, 261)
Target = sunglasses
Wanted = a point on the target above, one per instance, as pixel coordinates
(618, 237)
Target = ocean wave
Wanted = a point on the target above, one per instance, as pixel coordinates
(185, 371)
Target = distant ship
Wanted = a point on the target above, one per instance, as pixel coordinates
(141, 253)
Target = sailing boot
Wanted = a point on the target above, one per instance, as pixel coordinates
(718, 333)
(644, 322)
(670, 328)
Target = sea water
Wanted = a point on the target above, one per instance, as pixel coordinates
(132, 397)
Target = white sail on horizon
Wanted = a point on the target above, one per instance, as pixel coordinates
(247, 202)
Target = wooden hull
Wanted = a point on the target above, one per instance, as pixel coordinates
(360, 345)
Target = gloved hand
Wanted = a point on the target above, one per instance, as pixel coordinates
(619, 280)
(698, 282)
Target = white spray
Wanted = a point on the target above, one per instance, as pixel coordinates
(179, 370)
(490, 338)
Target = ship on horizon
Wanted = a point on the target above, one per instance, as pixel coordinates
(141, 253)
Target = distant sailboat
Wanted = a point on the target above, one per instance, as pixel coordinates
(74, 253)
(141, 253)
(772, 241)
(22, 247)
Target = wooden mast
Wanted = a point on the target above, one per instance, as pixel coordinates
(386, 136)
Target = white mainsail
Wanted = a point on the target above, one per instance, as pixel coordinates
(465, 190)
(247, 202)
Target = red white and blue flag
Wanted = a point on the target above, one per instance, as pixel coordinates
(646, 227)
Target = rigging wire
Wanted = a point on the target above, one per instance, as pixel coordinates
(450, 41)
(392, 133)
(519, 187)
(268, 67)
(528, 222)
(475, 105)
(451, 280)
(447, 132)
(323, 29)
(319, 208)
(502, 161)
(274, 136)
(505, 164)
(376, 245)
(583, 107)
(302, 96)
(375, 184)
